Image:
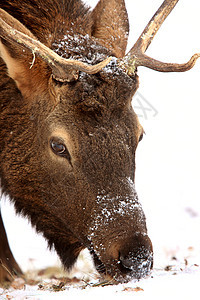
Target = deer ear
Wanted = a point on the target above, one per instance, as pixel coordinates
(111, 26)
(19, 60)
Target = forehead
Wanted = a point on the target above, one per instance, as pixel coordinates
(76, 124)
(108, 92)
(95, 100)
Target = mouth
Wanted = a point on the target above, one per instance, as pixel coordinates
(123, 270)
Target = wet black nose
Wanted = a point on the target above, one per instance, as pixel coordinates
(137, 265)
(136, 257)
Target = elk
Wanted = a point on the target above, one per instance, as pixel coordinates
(68, 132)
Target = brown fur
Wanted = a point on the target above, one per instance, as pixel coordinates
(69, 200)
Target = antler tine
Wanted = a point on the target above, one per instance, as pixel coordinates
(136, 56)
(157, 65)
(62, 69)
(153, 26)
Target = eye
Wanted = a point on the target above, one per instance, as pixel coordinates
(141, 136)
(59, 148)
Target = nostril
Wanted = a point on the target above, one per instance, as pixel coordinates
(126, 262)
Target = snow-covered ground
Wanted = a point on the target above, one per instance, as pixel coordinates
(167, 175)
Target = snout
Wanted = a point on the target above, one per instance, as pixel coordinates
(118, 236)
(127, 259)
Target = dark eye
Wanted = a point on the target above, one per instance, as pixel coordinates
(58, 147)
(141, 137)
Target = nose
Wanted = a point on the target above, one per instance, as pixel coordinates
(136, 257)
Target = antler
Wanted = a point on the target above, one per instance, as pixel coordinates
(136, 56)
(62, 69)
(67, 70)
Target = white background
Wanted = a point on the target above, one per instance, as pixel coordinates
(168, 162)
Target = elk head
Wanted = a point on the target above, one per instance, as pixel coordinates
(76, 157)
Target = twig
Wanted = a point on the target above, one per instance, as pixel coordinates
(33, 61)
(5, 268)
